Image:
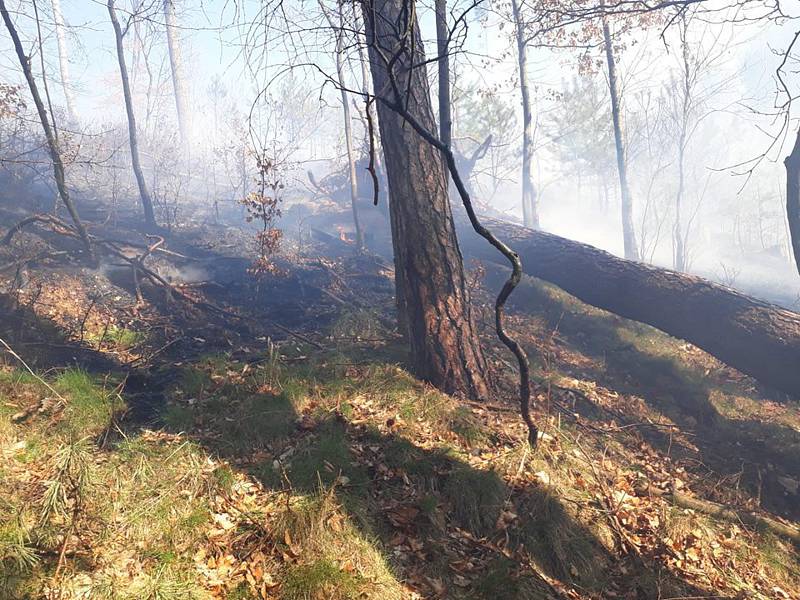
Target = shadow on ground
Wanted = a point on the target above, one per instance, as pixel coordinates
(636, 360)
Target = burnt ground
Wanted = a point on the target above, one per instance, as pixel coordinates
(651, 405)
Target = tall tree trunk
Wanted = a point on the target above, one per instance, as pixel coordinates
(678, 235)
(530, 212)
(348, 125)
(442, 46)
(176, 68)
(679, 258)
(445, 348)
(63, 58)
(144, 195)
(628, 233)
(792, 164)
(52, 145)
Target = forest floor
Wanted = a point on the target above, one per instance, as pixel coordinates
(265, 441)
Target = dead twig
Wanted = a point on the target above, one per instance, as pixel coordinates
(24, 364)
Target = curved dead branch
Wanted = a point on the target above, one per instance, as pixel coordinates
(37, 218)
(503, 248)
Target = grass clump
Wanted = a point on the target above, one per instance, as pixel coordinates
(467, 427)
(562, 547)
(477, 497)
(178, 417)
(336, 560)
(326, 459)
(320, 579)
(90, 405)
(116, 337)
(424, 466)
(501, 579)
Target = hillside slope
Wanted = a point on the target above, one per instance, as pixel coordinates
(157, 450)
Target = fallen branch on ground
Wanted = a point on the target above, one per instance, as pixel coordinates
(721, 511)
(136, 263)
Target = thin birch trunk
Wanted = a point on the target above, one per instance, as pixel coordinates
(628, 233)
(144, 194)
(63, 58)
(530, 213)
(176, 67)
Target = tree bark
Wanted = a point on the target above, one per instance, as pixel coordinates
(144, 194)
(445, 348)
(792, 164)
(52, 145)
(530, 212)
(628, 233)
(176, 68)
(755, 337)
(63, 58)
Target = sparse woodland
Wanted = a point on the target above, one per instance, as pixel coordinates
(399, 300)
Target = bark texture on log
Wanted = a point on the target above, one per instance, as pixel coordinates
(755, 337)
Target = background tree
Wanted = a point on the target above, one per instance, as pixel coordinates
(530, 213)
(176, 69)
(486, 139)
(352, 176)
(52, 144)
(628, 231)
(63, 58)
(144, 194)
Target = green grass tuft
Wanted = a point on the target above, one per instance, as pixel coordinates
(90, 406)
(476, 497)
(320, 579)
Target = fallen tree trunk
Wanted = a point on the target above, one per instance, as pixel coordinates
(755, 337)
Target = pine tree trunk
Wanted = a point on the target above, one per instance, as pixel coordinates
(52, 145)
(530, 213)
(445, 348)
(628, 232)
(176, 68)
(144, 194)
(402, 320)
(63, 58)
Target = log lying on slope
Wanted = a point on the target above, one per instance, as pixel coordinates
(755, 337)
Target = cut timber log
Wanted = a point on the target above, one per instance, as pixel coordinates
(755, 337)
